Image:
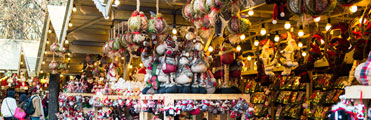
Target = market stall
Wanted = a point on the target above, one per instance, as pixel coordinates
(213, 59)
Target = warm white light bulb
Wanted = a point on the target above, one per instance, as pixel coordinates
(263, 31)
(242, 37)
(287, 25)
(130, 66)
(353, 8)
(43, 62)
(41, 71)
(328, 26)
(50, 31)
(317, 19)
(122, 58)
(117, 2)
(238, 48)
(322, 41)
(68, 59)
(256, 42)
(304, 54)
(210, 49)
(66, 42)
(174, 31)
(21, 63)
(249, 57)
(70, 24)
(276, 38)
(360, 20)
(107, 17)
(46, 52)
(74, 9)
(300, 44)
(141, 64)
(250, 13)
(47, 42)
(301, 33)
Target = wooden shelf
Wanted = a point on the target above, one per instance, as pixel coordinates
(354, 92)
(197, 96)
(104, 96)
(173, 96)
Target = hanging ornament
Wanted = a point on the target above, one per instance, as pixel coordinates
(236, 27)
(206, 31)
(319, 7)
(134, 21)
(295, 7)
(199, 8)
(279, 11)
(187, 11)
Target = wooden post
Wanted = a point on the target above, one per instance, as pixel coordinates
(210, 116)
(53, 96)
(223, 116)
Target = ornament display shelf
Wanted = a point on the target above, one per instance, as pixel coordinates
(170, 99)
(354, 92)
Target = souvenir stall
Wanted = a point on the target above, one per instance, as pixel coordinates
(226, 63)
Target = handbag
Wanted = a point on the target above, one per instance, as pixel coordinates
(12, 118)
(19, 113)
(168, 68)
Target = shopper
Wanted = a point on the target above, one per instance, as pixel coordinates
(45, 103)
(22, 101)
(36, 102)
(9, 105)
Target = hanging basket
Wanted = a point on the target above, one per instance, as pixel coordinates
(319, 7)
(295, 6)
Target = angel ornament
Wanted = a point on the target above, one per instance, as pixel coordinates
(288, 54)
(198, 66)
(112, 75)
(267, 56)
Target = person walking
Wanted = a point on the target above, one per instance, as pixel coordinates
(9, 105)
(45, 103)
(36, 102)
(22, 101)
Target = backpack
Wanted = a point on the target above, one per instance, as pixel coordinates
(28, 108)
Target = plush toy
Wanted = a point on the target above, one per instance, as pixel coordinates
(314, 55)
(288, 54)
(279, 10)
(184, 74)
(198, 66)
(112, 74)
(169, 65)
(267, 56)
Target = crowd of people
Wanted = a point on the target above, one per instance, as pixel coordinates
(24, 106)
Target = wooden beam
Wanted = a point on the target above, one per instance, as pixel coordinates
(124, 15)
(97, 19)
(89, 37)
(66, 20)
(85, 49)
(89, 10)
